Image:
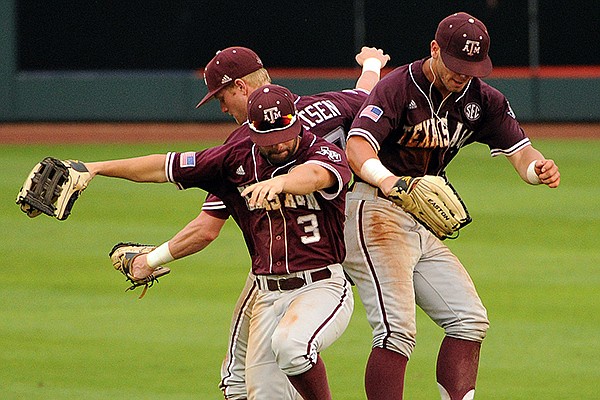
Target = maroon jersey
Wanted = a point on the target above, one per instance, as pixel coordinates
(328, 115)
(416, 132)
(291, 233)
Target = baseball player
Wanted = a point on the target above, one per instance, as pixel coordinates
(328, 115)
(413, 124)
(286, 190)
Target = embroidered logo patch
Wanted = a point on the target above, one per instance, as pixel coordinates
(372, 112)
(472, 111)
(472, 47)
(225, 79)
(510, 110)
(331, 154)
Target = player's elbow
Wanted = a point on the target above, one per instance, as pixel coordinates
(207, 235)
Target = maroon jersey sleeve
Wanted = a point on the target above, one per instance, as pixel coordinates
(195, 169)
(500, 130)
(382, 112)
(215, 207)
(218, 170)
(333, 159)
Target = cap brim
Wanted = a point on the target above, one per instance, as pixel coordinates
(276, 137)
(209, 96)
(479, 69)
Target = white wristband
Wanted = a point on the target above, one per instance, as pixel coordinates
(374, 172)
(532, 177)
(372, 64)
(159, 256)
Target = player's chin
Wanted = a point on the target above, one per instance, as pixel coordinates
(456, 85)
(279, 158)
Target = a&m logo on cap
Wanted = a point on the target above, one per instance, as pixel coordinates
(471, 47)
(271, 114)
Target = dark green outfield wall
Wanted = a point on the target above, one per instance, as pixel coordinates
(106, 96)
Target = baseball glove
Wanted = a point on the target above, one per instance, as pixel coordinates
(122, 256)
(52, 188)
(432, 201)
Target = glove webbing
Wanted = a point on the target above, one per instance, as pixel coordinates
(146, 286)
(47, 185)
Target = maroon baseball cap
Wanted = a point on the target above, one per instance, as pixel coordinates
(272, 115)
(464, 42)
(226, 66)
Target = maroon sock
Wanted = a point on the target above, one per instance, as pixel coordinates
(457, 365)
(312, 384)
(384, 379)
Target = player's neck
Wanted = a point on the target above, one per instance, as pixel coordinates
(436, 81)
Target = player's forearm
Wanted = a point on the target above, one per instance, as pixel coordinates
(307, 178)
(140, 169)
(365, 163)
(534, 168)
(358, 150)
(304, 179)
(196, 235)
(372, 60)
(521, 160)
(367, 80)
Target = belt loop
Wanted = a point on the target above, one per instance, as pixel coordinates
(307, 277)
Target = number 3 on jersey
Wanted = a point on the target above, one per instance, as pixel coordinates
(311, 227)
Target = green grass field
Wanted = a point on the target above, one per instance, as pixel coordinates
(69, 331)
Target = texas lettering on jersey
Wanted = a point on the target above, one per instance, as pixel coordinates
(307, 201)
(434, 132)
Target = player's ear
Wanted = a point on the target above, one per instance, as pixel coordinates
(241, 85)
(434, 49)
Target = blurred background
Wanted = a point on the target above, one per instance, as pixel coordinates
(184, 34)
(123, 60)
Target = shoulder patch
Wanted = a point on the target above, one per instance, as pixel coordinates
(372, 112)
(331, 154)
(511, 113)
(187, 159)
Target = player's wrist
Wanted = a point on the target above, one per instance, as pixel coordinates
(159, 256)
(532, 176)
(372, 64)
(374, 172)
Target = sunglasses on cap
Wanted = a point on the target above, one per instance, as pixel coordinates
(264, 126)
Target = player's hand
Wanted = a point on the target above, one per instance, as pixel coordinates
(388, 183)
(265, 190)
(547, 172)
(372, 52)
(140, 268)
